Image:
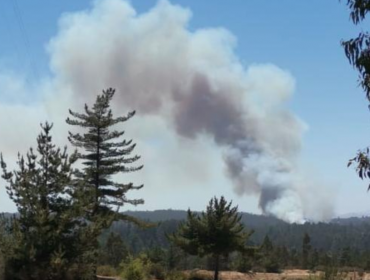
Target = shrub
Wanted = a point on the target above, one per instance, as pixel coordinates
(196, 275)
(106, 270)
(157, 271)
(176, 275)
(242, 264)
(272, 266)
(135, 269)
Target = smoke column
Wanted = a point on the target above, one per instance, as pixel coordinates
(194, 81)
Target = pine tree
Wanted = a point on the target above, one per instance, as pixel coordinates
(267, 247)
(42, 241)
(306, 251)
(105, 154)
(269, 256)
(115, 250)
(217, 232)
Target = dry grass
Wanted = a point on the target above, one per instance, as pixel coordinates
(292, 274)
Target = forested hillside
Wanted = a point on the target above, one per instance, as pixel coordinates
(332, 236)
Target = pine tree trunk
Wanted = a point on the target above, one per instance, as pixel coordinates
(217, 262)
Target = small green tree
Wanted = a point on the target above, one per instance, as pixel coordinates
(217, 232)
(115, 250)
(267, 247)
(42, 241)
(306, 251)
(268, 256)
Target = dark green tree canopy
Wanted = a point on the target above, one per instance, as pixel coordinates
(105, 153)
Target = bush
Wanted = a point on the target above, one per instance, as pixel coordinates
(135, 269)
(176, 275)
(106, 270)
(272, 266)
(157, 271)
(242, 264)
(196, 275)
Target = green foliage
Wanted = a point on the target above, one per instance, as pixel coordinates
(173, 257)
(2, 267)
(135, 269)
(306, 251)
(157, 271)
(156, 255)
(357, 51)
(216, 232)
(267, 257)
(104, 154)
(114, 251)
(242, 263)
(271, 265)
(42, 242)
(176, 275)
(106, 270)
(197, 275)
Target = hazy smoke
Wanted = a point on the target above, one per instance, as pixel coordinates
(194, 81)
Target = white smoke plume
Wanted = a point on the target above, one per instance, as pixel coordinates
(194, 83)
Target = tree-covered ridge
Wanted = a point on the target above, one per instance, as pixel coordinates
(331, 236)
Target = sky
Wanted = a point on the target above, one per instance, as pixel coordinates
(296, 42)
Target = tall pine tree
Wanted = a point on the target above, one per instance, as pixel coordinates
(104, 154)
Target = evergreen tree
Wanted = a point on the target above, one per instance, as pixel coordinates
(115, 250)
(42, 241)
(269, 256)
(105, 154)
(306, 250)
(173, 257)
(217, 232)
(266, 247)
(345, 257)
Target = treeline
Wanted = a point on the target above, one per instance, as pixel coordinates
(328, 237)
(343, 243)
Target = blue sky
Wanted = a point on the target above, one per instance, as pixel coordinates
(301, 37)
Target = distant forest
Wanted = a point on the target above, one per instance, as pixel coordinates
(334, 236)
